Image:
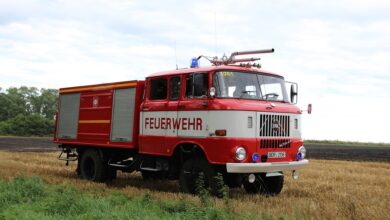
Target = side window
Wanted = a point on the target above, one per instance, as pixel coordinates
(158, 89)
(197, 85)
(174, 88)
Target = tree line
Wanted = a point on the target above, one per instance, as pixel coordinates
(27, 111)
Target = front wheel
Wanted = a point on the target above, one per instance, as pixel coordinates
(265, 185)
(258, 186)
(191, 171)
(274, 185)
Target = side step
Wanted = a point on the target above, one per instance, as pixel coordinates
(151, 169)
(125, 165)
(160, 166)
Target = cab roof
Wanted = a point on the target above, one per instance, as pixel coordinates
(211, 68)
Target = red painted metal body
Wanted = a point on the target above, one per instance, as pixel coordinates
(95, 121)
(217, 150)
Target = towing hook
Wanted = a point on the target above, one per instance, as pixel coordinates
(295, 175)
(70, 155)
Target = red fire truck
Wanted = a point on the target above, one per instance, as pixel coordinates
(230, 118)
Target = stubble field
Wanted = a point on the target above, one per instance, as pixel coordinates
(327, 189)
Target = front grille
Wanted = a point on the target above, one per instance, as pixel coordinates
(275, 143)
(274, 125)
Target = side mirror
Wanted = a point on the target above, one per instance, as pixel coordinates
(212, 92)
(309, 108)
(294, 93)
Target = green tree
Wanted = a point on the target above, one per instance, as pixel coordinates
(7, 107)
(46, 103)
(23, 125)
(27, 110)
(12, 104)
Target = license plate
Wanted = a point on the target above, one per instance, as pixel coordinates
(276, 154)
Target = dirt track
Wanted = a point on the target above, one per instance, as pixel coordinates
(315, 151)
(346, 152)
(27, 144)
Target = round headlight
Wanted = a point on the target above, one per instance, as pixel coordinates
(302, 151)
(240, 153)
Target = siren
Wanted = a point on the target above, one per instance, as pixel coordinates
(194, 62)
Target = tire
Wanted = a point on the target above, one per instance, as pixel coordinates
(258, 186)
(111, 173)
(190, 172)
(265, 185)
(150, 175)
(274, 185)
(233, 180)
(92, 166)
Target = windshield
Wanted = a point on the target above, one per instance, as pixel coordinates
(242, 85)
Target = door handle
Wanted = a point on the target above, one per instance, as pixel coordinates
(145, 108)
(181, 106)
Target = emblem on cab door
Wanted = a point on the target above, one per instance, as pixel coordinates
(95, 101)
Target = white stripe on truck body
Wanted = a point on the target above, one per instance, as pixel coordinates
(202, 124)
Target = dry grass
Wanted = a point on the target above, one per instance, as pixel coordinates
(326, 190)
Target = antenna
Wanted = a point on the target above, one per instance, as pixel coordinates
(215, 33)
(176, 57)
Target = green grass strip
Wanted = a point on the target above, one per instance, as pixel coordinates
(30, 198)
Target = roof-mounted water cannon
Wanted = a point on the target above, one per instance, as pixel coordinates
(239, 53)
(232, 59)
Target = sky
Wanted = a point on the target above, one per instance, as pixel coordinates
(337, 51)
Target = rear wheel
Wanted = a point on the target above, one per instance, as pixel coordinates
(151, 175)
(92, 166)
(111, 173)
(191, 171)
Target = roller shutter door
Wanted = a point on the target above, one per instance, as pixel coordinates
(68, 116)
(123, 115)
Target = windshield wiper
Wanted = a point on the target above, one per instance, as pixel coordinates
(245, 92)
(275, 95)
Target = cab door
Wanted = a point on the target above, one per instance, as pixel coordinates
(174, 91)
(193, 107)
(153, 114)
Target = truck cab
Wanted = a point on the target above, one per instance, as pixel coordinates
(239, 120)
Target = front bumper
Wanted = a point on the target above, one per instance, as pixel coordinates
(265, 167)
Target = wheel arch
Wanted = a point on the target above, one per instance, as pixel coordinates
(190, 149)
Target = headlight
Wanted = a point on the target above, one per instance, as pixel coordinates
(301, 153)
(240, 153)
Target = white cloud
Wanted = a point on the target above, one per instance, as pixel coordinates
(338, 51)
